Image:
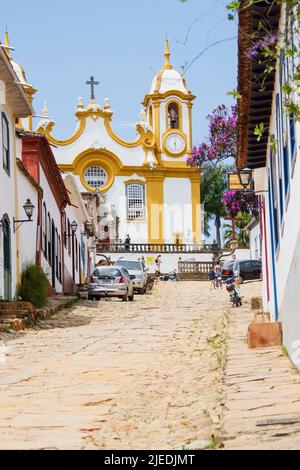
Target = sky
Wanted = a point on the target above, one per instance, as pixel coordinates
(121, 42)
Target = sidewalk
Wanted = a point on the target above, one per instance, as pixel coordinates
(259, 385)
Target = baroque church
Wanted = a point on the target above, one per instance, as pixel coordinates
(146, 188)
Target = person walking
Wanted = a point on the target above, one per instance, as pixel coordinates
(218, 276)
(158, 262)
(211, 277)
(127, 243)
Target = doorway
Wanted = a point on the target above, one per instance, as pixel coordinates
(7, 256)
(53, 253)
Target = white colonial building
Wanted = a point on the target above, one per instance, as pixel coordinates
(148, 190)
(275, 160)
(14, 104)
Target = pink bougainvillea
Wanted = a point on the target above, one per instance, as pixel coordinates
(240, 201)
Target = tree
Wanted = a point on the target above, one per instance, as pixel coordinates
(213, 184)
(222, 140)
(241, 233)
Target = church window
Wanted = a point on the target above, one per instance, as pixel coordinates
(173, 116)
(5, 143)
(95, 177)
(135, 201)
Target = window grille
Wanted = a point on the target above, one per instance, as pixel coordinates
(135, 202)
(95, 177)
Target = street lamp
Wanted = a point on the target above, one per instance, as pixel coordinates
(88, 229)
(28, 208)
(245, 178)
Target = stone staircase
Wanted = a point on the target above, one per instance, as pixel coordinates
(19, 315)
(13, 315)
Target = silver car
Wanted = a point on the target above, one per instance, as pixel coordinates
(108, 281)
(137, 273)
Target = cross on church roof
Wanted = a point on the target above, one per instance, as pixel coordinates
(92, 82)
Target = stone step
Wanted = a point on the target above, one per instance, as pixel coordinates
(16, 306)
(16, 313)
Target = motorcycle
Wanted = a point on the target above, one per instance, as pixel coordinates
(172, 276)
(232, 287)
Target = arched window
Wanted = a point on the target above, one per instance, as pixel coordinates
(135, 201)
(173, 116)
(44, 230)
(5, 143)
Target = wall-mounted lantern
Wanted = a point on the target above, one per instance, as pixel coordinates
(28, 208)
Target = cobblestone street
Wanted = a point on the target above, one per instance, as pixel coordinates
(144, 375)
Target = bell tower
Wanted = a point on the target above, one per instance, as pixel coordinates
(169, 110)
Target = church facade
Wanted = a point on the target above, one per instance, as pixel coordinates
(147, 189)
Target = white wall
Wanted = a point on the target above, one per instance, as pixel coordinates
(7, 199)
(27, 231)
(53, 209)
(178, 209)
(281, 266)
(170, 260)
(254, 239)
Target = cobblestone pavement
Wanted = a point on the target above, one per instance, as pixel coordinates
(158, 373)
(260, 386)
(116, 375)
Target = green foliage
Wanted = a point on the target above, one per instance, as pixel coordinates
(241, 233)
(259, 130)
(235, 94)
(33, 285)
(213, 185)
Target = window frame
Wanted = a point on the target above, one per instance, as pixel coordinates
(142, 217)
(5, 151)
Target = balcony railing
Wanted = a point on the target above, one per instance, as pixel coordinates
(195, 267)
(156, 248)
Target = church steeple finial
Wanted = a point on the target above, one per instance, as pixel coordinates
(6, 43)
(167, 64)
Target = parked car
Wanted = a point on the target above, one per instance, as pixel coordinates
(108, 281)
(248, 269)
(137, 273)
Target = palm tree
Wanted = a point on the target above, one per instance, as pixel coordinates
(213, 184)
(241, 233)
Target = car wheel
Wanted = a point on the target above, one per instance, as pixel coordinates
(141, 291)
(125, 297)
(131, 297)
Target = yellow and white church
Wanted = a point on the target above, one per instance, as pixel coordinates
(146, 184)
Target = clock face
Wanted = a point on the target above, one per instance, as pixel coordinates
(175, 143)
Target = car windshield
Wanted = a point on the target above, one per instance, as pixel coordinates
(136, 265)
(107, 272)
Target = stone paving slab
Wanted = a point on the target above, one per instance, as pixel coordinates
(115, 375)
(258, 384)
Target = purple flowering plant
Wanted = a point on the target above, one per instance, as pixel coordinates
(240, 201)
(222, 140)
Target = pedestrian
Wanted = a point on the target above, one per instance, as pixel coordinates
(211, 277)
(143, 262)
(127, 243)
(158, 262)
(218, 276)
